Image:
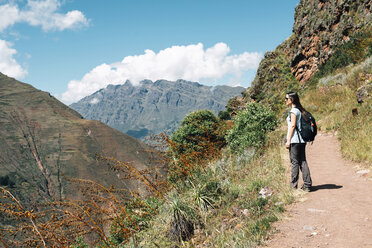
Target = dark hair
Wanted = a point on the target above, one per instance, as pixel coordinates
(296, 101)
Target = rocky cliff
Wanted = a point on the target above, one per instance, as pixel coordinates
(152, 107)
(320, 26)
(43, 142)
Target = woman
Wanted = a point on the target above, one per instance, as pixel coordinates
(295, 143)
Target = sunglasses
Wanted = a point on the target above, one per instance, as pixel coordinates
(286, 98)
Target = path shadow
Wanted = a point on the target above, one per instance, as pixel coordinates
(325, 186)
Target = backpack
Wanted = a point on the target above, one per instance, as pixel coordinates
(308, 127)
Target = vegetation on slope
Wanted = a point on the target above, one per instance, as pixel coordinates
(233, 212)
(232, 201)
(250, 127)
(218, 198)
(228, 201)
(274, 78)
(339, 96)
(333, 102)
(42, 141)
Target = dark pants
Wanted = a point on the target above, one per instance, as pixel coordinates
(298, 161)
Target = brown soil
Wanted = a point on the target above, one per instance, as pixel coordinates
(338, 213)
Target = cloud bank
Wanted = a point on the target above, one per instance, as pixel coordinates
(42, 13)
(8, 65)
(191, 62)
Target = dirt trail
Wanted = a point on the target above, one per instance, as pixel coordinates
(338, 213)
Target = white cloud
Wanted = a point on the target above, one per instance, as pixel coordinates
(8, 65)
(9, 15)
(41, 13)
(190, 62)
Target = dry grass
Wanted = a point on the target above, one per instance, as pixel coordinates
(109, 217)
(237, 216)
(332, 103)
(60, 223)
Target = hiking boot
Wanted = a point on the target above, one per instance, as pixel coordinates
(305, 188)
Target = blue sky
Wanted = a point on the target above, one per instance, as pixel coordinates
(52, 44)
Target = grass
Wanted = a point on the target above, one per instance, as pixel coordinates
(332, 102)
(229, 200)
(230, 212)
(223, 201)
(221, 205)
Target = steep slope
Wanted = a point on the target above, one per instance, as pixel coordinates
(329, 86)
(319, 29)
(152, 107)
(42, 142)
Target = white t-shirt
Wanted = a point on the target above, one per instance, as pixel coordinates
(295, 136)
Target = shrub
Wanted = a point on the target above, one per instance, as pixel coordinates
(224, 115)
(250, 127)
(197, 131)
(197, 141)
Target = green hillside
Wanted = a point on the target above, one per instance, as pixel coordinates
(43, 142)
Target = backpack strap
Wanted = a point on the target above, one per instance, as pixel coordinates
(297, 131)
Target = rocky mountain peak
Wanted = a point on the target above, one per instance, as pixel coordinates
(321, 25)
(152, 107)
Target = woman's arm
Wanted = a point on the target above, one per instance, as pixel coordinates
(291, 130)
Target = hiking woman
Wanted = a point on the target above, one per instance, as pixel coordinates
(295, 143)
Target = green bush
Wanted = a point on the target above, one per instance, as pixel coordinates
(198, 130)
(224, 115)
(250, 127)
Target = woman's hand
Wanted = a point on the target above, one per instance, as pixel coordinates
(287, 144)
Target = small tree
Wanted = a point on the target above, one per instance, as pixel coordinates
(224, 115)
(250, 127)
(199, 139)
(195, 128)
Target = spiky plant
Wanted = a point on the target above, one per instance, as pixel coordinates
(201, 197)
(181, 226)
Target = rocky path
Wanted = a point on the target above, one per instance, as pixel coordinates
(338, 213)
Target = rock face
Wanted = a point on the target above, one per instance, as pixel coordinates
(152, 107)
(320, 26)
(43, 142)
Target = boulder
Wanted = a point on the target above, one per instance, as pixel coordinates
(364, 92)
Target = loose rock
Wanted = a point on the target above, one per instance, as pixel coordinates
(364, 92)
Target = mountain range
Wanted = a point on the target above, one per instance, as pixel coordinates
(152, 107)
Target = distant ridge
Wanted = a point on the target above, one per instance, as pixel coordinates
(152, 107)
(42, 141)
